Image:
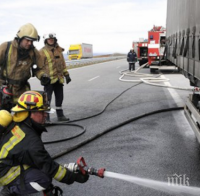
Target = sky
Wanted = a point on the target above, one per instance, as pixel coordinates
(109, 25)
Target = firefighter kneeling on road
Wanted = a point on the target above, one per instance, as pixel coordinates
(25, 166)
(17, 59)
(56, 67)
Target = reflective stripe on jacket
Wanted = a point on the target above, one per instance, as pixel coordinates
(23, 146)
(20, 69)
(54, 62)
(11, 175)
(16, 137)
(17, 72)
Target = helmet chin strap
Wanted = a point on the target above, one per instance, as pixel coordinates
(51, 44)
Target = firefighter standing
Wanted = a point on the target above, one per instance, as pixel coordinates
(56, 67)
(132, 59)
(17, 59)
(25, 166)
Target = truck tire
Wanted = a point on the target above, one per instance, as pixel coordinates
(152, 70)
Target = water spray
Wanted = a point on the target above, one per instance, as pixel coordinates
(81, 167)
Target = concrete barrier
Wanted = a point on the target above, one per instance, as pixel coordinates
(84, 62)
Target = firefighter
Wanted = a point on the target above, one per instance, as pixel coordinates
(56, 67)
(25, 166)
(17, 60)
(132, 59)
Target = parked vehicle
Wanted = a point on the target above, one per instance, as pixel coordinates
(183, 49)
(80, 51)
(141, 48)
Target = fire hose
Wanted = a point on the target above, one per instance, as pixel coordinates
(150, 79)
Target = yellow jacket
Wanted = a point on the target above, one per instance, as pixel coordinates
(54, 63)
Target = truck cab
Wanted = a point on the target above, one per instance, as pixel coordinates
(75, 52)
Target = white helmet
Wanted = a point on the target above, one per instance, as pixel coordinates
(49, 35)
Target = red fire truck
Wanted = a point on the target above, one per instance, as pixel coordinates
(156, 46)
(141, 48)
(153, 50)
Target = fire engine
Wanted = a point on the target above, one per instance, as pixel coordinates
(141, 49)
(156, 46)
(153, 51)
(156, 50)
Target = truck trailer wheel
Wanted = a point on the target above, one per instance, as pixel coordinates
(142, 62)
(152, 70)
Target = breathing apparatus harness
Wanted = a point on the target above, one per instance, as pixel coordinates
(6, 101)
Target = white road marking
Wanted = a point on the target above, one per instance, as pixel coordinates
(93, 78)
(178, 100)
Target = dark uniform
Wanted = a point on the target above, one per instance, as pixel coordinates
(23, 147)
(25, 165)
(132, 58)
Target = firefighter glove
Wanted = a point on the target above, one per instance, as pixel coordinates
(81, 178)
(45, 80)
(76, 177)
(68, 79)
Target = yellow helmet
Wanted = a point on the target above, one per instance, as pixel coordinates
(5, 118)
(28, 31)
(32, 101)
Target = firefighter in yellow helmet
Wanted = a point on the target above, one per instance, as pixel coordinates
(56, 67)
(25, 166)
(17, 59)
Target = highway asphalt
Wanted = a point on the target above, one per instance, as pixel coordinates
(157, 147)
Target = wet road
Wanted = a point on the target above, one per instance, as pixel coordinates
(157, 147)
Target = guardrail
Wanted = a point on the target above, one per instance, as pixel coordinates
(84, 62)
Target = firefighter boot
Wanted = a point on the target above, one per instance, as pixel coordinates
(53, 191)
(61, 116)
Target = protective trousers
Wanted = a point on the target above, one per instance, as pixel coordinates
(33, 181)
(57, 88)
(131, 66)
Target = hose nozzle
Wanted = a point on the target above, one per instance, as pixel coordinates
(84, 169)
(96, 172)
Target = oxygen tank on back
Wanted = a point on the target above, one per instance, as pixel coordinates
(5, 120)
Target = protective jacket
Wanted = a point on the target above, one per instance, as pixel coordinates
(22, 148)
(54, 62)
(15, 69)
(131, 57)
